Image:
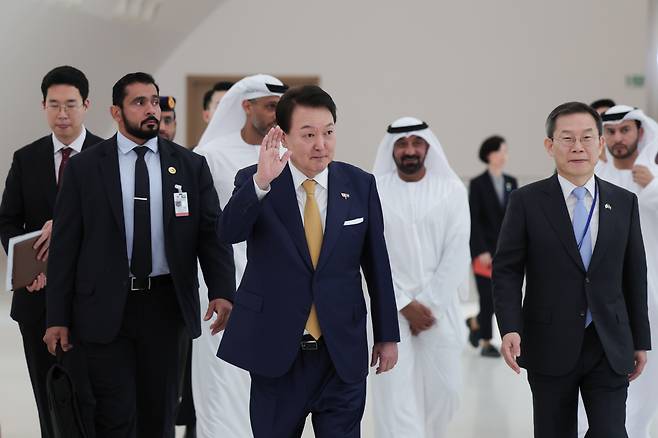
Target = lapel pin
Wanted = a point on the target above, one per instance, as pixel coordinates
(345, 195)
(608, 206)
(172, 170)
(508, 186)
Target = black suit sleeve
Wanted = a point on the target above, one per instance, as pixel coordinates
(64, 249)
(215, 257)
(509, 267)
(478, 245)
(635, 283)
(12, 211)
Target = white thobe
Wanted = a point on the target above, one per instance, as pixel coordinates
(642, 403)
(221, 390)
(427, 230)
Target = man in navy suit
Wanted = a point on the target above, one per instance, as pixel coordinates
(299, 321)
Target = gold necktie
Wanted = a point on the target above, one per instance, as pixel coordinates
(313, 232)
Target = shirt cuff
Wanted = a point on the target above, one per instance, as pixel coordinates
(402, 300)
(260, 193)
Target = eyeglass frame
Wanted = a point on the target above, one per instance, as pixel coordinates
(56, 107)
(571, 141)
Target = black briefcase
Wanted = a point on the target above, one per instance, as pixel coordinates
(63, 402)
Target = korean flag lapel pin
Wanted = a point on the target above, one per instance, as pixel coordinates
(345, 195)
(608, 207)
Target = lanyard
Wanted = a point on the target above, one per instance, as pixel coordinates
(589, 217)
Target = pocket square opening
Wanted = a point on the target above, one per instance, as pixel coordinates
(353, 221)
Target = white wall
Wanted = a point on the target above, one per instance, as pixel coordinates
(36, 35)
(470, 69)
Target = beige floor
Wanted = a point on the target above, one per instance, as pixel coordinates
(496, 403)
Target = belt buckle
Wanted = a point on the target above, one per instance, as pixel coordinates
(309, 345)
(134, 289)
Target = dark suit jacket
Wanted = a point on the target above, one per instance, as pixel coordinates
(88, 265)
(537, 239)
(279, 284)
(487, 212)
(27, 203)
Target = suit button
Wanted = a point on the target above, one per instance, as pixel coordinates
(587, 280)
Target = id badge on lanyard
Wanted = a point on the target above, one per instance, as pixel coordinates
(589, 217)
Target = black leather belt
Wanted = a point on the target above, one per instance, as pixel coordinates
(148, 283)
(309, 343)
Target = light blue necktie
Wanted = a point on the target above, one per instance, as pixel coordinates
(580, 215)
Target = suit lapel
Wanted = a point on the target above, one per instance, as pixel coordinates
(337, 209)
(112, 179)
(169, 160)
(90, 140)
(45, 170)
(507, 191)
(558, 216)
(284, 201)
(489, 187)
(606, 225)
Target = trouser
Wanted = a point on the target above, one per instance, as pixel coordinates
(485, 316)
(39, 361)
(642, 403)
(555, 398)
(185, 415)
(135, 377)
(279, 406)
(419, 397)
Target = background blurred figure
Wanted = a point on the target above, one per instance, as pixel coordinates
(212, 97)
(601, 106)
(27, 205)
(488, 195)
(168, 120)
(426, 226)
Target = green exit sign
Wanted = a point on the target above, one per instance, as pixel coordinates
(635, 81)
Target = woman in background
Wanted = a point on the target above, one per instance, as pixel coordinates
(488, 195)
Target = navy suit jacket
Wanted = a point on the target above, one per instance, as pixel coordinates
(487, 212)
(537, 240)
(88, 267)
(279, 284)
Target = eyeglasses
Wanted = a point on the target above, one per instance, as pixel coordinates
(56, 107)
(567, 140)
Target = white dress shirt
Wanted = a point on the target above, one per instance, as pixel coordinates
(571, 200)
(298, 178)
(76, 147)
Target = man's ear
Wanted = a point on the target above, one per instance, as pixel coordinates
(246, 106)
(115, 112)
(548, 145)
(284, 140)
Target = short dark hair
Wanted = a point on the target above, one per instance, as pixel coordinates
(602, 103)
(219, 86)
(571, 108)
(119, 89)
(65, 75)
(306, 95)
(491, 144)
